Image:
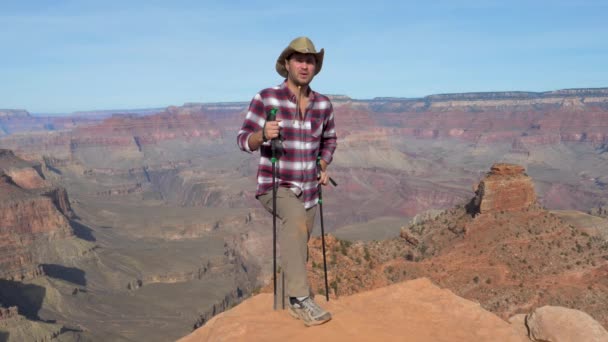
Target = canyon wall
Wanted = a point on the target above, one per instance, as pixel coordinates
(30, 209)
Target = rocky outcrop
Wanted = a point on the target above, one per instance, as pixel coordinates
(505, 188)
(180, 277)
(416, 310)
(27, 178)
(601, 211)
(559, 324)
(6, 313)
(60, 199)
(9, 160)
(18, 328)
(122, 190)
(432, 314)
(30, 210)
(16, 262)
(230, 300)
(511, 259)
(30, 213)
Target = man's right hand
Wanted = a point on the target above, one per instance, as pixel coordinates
(271, 129)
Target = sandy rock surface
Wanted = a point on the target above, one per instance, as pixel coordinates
(415, 310)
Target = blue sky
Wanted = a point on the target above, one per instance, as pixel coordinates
(63, 56)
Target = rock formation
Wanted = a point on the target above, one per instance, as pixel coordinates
(505, 188)
(6, 313)
(30, 209)
(558, 324)
(415, 311)
(18, 328)
(32, 214)
(511, 257)
(601, 211)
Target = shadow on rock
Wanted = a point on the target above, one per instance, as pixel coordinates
(27, 297)
(71, 274)
(81, 231)
(3, 336)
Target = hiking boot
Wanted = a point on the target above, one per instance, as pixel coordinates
(308, 311)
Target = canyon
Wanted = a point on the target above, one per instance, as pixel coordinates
(105, 212)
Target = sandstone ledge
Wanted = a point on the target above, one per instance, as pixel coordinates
(415, 310)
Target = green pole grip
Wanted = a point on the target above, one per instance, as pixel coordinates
(272, 114)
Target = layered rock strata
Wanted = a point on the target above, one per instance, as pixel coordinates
(505, 188)
(29, 210)
(524, 119)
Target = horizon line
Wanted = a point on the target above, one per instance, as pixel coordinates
(151, 108)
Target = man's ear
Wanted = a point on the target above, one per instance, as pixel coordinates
(287, 65)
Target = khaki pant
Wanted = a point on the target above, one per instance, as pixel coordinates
(292, 236)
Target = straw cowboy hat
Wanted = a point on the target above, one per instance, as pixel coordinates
(301, 45)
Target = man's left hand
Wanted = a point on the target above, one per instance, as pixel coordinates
(323, 174)
(323, 177)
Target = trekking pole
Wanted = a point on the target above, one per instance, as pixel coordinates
(323, 228)
(271, 117)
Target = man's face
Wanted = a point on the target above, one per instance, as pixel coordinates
(301, 68)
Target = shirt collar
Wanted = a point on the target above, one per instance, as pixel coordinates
(291, 96)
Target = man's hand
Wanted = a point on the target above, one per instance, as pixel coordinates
(271, 129)
(323, 174)
(323, 177)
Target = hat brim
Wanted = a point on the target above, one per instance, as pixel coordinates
(280, 66)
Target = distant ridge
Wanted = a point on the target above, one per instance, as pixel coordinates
(469, 96)
(504, 95)
(14, 113)
(499, 95)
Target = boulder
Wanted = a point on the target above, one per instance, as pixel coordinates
(559, 324)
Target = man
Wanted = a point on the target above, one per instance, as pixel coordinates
(305, 125)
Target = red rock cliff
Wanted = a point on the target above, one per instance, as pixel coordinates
(505, 188)
(28, 212)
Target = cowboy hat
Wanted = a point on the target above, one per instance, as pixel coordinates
(301, 45)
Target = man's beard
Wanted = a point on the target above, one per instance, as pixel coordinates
(297, 82)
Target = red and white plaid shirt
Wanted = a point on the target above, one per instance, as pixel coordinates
(303, 140)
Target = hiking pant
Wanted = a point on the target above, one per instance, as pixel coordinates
(296, 226)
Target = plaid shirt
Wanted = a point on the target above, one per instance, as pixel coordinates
(303, 140)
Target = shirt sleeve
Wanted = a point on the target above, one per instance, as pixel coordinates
(254, 121)
(329, 140)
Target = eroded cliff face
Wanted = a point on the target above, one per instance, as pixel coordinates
(522, 118)
(505, 188)
(30, 210)
(123, 135)
(16, 262)
(174, 123)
